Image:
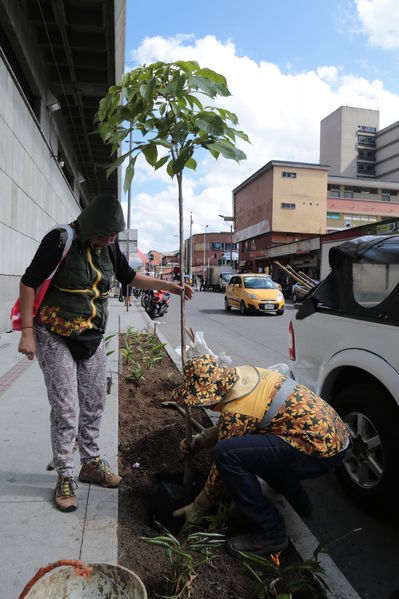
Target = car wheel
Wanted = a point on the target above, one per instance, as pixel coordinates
(243, 309)
(294, 298)
(226, 305)
(368, 473)
(280, 312)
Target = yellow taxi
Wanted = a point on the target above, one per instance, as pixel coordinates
(254, 292)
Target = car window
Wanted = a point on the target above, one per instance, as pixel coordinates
(372, 283)
(259, 283)
(234, 280)
(226, 276)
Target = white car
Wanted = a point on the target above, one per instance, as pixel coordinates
(344, 346)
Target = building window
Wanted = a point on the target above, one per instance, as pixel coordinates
(365, 128)
(366, 139)
(287, 206)
(348, 194)
(364, 167)
(333, 192)
(333, 215)
(363, 153)
(288, 175)
(385, 197)
(217, 245)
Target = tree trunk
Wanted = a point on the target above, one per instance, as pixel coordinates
(188, 468)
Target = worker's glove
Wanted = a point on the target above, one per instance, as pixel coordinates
(207, 438)
(194, 512)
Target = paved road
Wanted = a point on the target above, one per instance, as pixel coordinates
(369, 559)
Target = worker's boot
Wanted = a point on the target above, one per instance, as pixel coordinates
(65, 498)
(98, 472)
(257, 543)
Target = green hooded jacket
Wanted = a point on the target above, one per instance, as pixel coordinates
(77, 298)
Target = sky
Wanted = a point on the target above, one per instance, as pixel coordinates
(288, 64)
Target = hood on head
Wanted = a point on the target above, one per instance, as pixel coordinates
(103, 216)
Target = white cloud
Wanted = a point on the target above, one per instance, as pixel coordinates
(280, 112)
(380, 21)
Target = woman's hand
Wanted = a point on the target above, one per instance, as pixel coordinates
(27, 345)
(178, 289)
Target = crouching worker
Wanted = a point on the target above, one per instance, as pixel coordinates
(271, 427)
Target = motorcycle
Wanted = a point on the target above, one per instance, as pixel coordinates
(158, 303)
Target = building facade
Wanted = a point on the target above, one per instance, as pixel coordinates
(57, 60)
(209, 249)
(348, 141)
(282, 202)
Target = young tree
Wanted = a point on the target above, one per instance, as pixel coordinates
(161, 105)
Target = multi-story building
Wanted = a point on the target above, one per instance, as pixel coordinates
(57, 60)
(364, 167)
(209, 249)
(348, 141)
(282, 202)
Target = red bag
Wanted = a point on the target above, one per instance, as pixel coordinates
(40, 291)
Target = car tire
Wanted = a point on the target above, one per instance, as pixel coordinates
(369, 471)
(243, 309)
(280, 312)
(227, 306)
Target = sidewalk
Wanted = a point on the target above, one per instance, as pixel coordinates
(34, 532)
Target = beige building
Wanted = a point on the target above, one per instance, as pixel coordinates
(387, 153)
(283, 202)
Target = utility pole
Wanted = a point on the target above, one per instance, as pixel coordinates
(128, 193)
(190, 255)
(231, 220)
(206, 226)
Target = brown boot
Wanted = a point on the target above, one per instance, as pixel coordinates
(98, 472)
(65, 498)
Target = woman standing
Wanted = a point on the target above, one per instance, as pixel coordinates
(67, 335)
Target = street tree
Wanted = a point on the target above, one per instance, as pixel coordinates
(160, 107)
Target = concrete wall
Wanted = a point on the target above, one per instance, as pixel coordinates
(34, 193)
(338, 138)
(253, 204)
(387, 154)
(330, 142)
(307, 191)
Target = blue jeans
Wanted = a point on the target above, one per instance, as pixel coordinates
(241, 459)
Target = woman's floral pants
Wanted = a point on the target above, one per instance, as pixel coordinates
(67, 383)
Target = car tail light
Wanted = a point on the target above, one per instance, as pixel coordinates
(291, 342)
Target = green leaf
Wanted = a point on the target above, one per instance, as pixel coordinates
(193, 100)
(227, 150)
(213, 76)
(116, 163)
(169, 169)
(176, 86)
(188, 66)
(191, 163)
(129, 174)
(211, 123)
(147, 90)
(205, 85)
(161, 162)
(150, 152)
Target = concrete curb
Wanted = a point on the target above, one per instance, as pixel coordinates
(301, 537)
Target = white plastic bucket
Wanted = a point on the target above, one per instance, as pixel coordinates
(104, 581)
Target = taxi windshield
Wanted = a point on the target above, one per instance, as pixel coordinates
(259, 283)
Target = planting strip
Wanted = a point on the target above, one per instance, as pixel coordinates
(300, 536)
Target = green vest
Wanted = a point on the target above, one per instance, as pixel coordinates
(77, 297)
